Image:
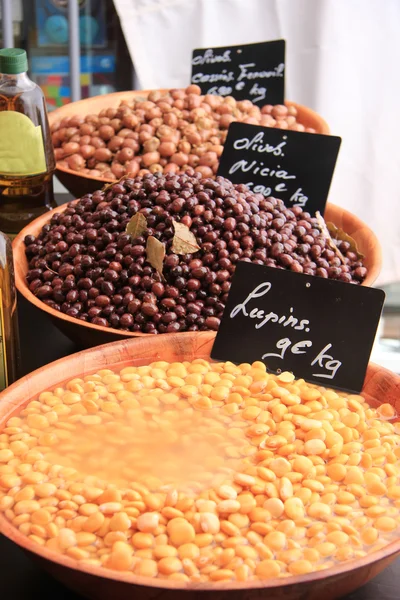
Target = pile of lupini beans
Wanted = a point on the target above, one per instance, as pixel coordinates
(294, 478)
(84, 264)
(167, 132)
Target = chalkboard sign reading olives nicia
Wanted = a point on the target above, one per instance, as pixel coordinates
(321, 330)
(295, 166)
(253, 72)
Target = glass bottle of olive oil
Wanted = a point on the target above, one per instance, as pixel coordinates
(9, 337)
(27, 159)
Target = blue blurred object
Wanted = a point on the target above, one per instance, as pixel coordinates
(49, 65)
(56, 29)
(52, 23)
(88, 30)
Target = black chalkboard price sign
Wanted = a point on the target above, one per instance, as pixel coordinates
(319, 329)
(295, 166)
(253, 72)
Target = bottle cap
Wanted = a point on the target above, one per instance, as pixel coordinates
(13, 61)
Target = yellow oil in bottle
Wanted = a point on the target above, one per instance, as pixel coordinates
(9, 336)
(27, 159)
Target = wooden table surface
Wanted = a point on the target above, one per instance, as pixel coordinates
(20, 578)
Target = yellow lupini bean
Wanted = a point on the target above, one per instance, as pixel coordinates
(294, 509)
(180, 532)
(271, 477)
(268, 569)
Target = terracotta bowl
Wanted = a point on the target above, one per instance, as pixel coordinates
(88, 335)
(79, 184)
(94, 582)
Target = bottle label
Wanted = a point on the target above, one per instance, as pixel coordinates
(3, 355)
(21, 145)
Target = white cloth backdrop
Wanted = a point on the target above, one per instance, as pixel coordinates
(342, 60)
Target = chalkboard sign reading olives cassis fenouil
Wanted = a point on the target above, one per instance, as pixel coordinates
(253, 72)
(294, 166)
(321, 330)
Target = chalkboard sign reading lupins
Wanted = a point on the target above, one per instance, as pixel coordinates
(253, 72)
(294, 166)
(322, 330)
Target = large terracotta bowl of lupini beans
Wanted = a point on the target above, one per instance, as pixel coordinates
(101, 139)
(143, 469)
(156, 254)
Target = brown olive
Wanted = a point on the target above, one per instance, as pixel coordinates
(155, 168)
(124, 155)
(116, 124)
(145, 136)
(117, 169)
(106, 132)
(103, 154)
(151, 145)
(156, 122)
(154, 95)
(76, 162)
(87, 129)
(84, 140)
(133, 135)
(108, 175)
(153, 113)
(150, 158)
(124, 132)
(87, 151)
(208, 159)
(115, 143)
(193, 89)
(165, 106)
(97, 142)
(130, 120)
(102, 166)
(180, 158)
(279, 110)
(184, 147)
(194, 138)
(205, 171)
(130, 143)
(171, 168)
(132, 168)
(297, 127)
(55, 139)
(62, 164)
(170, 119)
(62, 134)
(71, 148)
(111, 112)
(167, 149)
(193, 160)
(92, 119)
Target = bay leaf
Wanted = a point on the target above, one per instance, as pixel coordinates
(325, 232)
(339, 234)
(137, 225)
(184, 241)
(155, 251)
(107, 186)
